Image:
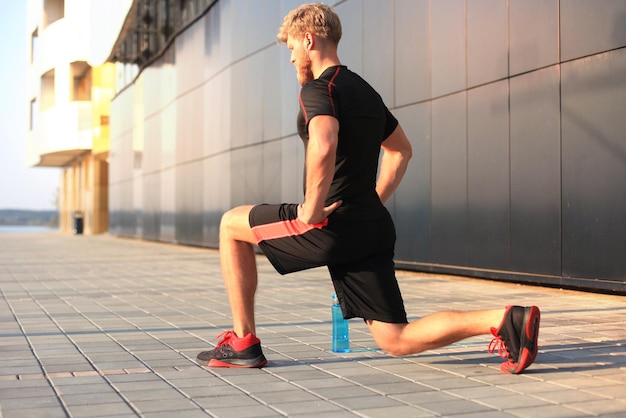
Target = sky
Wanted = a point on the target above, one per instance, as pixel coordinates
(21, 187)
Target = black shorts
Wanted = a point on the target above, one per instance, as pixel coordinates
(359, 256)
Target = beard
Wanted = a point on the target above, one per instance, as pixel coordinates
(304, 71)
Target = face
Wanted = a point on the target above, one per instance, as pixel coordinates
(300, 58)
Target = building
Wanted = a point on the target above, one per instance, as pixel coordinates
(69, 110)
(515, 110)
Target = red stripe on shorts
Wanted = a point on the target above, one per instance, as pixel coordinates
(283, 229)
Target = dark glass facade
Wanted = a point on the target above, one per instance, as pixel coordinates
(515, 110)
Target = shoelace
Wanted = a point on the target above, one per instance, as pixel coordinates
(225, 336)
(497, 344)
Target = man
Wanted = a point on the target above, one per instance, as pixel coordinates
(342, 222)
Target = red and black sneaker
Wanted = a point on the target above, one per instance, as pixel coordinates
(517, 338)
(233, 351)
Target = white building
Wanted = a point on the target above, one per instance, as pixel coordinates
(69, 91)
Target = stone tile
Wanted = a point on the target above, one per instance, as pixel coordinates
(293, 395)
(228, 399)
(37, 403)
(188, 413)
(455, 407)
(345, 392)
(403, 411)
(613, 391)
(600, 407)
(106, 397)
(26, 412)
(163, 405)
(84, 389)
(311, 408)
(488, 414)
(398, 388)
(513, 402)
(480, 392)
(276, 386)
(418, 398)
(26, 392)
(236, 411)
(117, 409)
(550, 411)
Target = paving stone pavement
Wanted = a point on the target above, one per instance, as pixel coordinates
(100, 326)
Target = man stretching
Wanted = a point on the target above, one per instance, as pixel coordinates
(342, 222)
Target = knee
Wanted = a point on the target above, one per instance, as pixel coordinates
(231, 221)
(235, 225)
(394, 349)
(227, 220)
(224, 227)
(391, 339)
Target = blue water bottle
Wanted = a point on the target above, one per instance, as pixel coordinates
(341, 337)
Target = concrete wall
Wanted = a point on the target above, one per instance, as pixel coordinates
(515, 110)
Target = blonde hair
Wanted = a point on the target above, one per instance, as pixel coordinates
(315, 18)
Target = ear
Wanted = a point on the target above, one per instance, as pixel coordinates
(308, 40)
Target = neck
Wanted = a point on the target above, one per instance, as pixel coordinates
(324, 60)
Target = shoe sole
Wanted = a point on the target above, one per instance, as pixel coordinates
(256, 362)
(528, 344)
(239, 364)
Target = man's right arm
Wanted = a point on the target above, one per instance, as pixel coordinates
(320, 169)
(397, 153)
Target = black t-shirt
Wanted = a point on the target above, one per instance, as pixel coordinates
(364, 123)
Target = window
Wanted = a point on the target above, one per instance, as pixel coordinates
(34, 46)
(33, 114)
(47, 90)
(53, 10)
(81, 85)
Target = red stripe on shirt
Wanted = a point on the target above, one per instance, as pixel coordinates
(330, 95)
(284, 229)
(306, 117)
(330, 90)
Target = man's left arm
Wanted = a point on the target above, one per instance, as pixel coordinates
(397, 153)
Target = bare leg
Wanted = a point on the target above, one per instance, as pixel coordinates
(433, 331)
(239, 268)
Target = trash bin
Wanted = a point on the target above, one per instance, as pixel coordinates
(78, 222)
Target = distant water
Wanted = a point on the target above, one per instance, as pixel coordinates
(23, 229)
